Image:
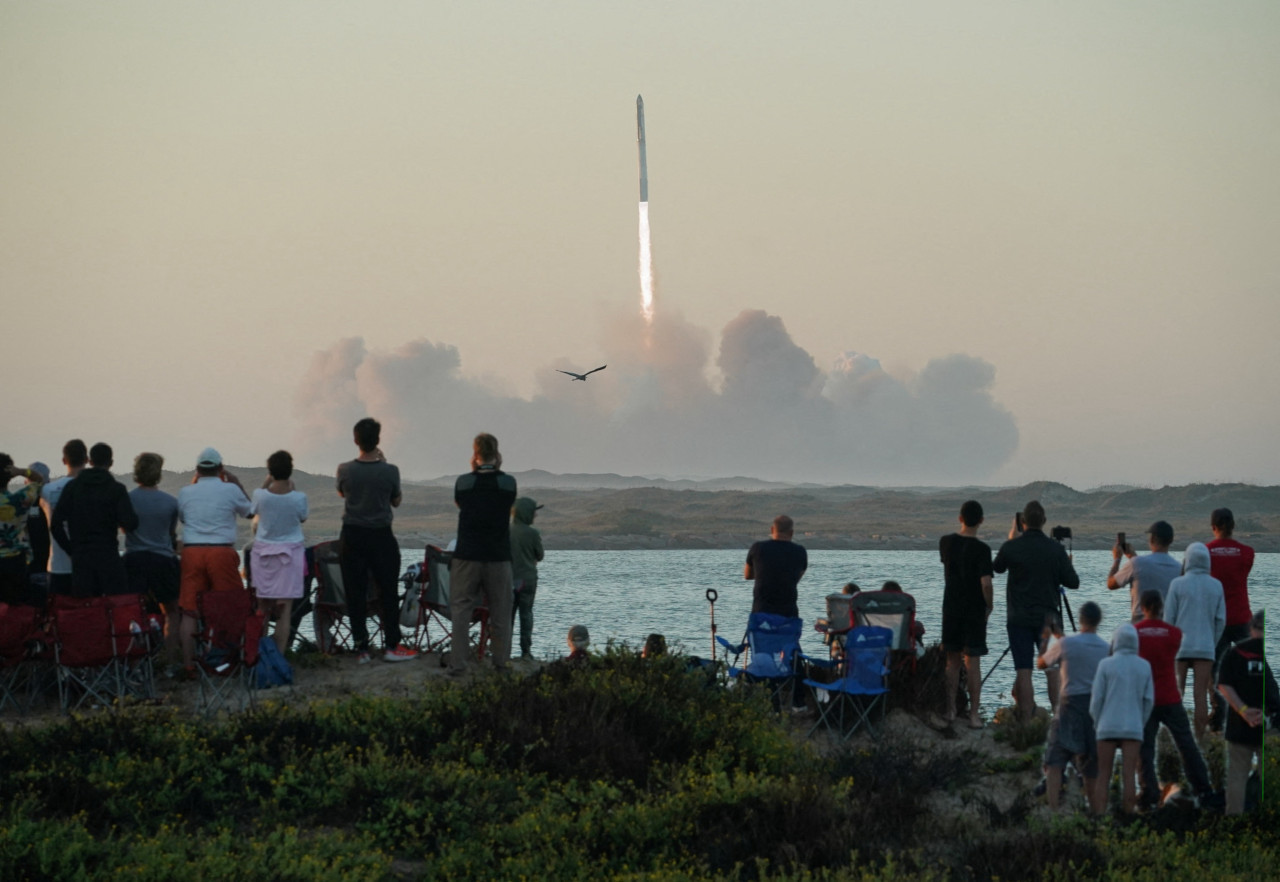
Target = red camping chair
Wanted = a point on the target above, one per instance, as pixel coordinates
(84, 651)
(137, 636)
(431, 629)
(21, 638)
(330, 620)
(227, 649)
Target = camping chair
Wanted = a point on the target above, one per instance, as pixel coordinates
(136, 636)
(895, 610)
(84, 651)
(227, 649)
(21, 637)
(332, 627)
(853, 699)
(837, 624)
(432, 631)
(772, 645)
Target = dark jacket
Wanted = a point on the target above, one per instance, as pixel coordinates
(91, 512)
(526, 543)
(1037, 565)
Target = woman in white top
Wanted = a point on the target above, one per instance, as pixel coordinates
(278, 559)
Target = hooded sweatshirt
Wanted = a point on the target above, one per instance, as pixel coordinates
(91, 512)
(1195, 604)
(526, 543)
(1123, 694)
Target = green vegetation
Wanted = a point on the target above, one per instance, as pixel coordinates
(621, 770)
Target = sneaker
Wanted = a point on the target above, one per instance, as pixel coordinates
(362, 658)
(399, 654)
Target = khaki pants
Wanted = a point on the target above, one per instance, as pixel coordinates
(476, 583)
(1239, 764)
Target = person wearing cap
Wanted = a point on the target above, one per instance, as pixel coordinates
(87, 522)
(75, 456)
(15, 548)
(1249, 689)
(526, 554)
(208, 508)
(1150, 572)
(1230, 562)
(1195, 605)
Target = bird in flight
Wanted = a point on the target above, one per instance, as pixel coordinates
(583, 377)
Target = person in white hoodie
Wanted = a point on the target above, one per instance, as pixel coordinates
(1195, 604)
(1123, 695)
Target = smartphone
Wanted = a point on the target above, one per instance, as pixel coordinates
(1017, 519)
(1120, 540)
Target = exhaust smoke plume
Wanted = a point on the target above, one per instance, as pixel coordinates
(646, 265)
(770, 413)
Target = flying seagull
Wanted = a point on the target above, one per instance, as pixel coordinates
(583, 377)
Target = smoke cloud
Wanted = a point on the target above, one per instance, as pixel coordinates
(768, 412)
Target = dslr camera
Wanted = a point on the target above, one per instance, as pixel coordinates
(1061, 533)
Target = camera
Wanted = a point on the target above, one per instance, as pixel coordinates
(1061, 533)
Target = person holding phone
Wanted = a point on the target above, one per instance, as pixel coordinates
(1150, 572)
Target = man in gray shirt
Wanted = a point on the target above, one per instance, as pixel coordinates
(370, 487)
(1151, 572)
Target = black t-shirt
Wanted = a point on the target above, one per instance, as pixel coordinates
(484, 499)
(965, 560)
(778, 565)
(1245, 670)
(1037, 565)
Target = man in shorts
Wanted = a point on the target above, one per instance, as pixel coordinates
(1249, 690)
(208, 509)
(1071, 736)
(966, 605)
(1038, 567)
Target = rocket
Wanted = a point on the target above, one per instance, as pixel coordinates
(644, 163)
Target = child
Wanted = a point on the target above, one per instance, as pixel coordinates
(1123, 695)
(579, 640)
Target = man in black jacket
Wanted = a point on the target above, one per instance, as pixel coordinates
(1037, 566)
(89, 516)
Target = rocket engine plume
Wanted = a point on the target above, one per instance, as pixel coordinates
(646, 250)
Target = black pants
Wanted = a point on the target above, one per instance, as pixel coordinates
(371, 552)
(97, 572)
(1231, 635)
(1174, 718)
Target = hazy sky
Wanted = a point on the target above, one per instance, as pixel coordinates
(894, 242)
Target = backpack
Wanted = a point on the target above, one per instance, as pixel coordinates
(272, 669)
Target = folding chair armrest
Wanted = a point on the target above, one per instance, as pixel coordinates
(735, 648)
(819, 662)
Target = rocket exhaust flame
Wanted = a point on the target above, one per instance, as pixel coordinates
(646, 265)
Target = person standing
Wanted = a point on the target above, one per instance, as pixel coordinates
(526, 554)
(1123, 695)
(207, 508)
(278, 557)
(151, 550)
(1071, 734)
(15, 546)
(370, 489)
(1151, 572)
(1249, 690)
(966, 606)
(1038, 568)
(1230, 562)
(75, 456)
(87, 521)
(1158, 643)
(481, 569)
(1196, 606)
(776, 566)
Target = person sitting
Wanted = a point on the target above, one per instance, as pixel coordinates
(917, 629)
(654, 646)
(579, 639)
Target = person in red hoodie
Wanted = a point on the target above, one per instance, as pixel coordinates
(1229, 562)
(1158, 643)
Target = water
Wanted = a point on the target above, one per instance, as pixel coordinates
(622, 596)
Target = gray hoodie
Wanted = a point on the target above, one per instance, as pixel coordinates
(1123, 693)
(1195, 604)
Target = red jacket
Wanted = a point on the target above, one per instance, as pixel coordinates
(1230, 563)
(1158, 643)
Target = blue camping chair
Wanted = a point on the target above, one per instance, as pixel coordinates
(853, 699)
(772, 648)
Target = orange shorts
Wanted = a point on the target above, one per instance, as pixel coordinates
(207, 568)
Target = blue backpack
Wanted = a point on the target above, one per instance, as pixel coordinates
(272, 669)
